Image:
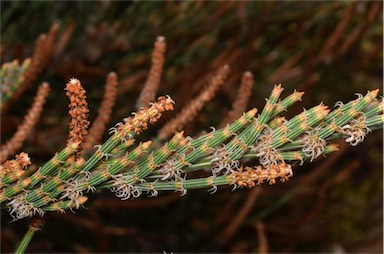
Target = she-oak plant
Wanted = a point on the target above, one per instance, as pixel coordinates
(129, 168)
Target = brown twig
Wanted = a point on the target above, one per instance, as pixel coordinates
(238, 219)
(359, 30)
(15, 143)
(193, 107)
(151, 86)
(64, 38)
(42, 55)
(240, 104)
(262, 237)
(104, 114)
(337, 33)
(321, 194)
(286, 70)
(90, 225)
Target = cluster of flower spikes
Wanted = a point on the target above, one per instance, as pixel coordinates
(165, 168)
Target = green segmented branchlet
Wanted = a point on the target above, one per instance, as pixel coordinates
(159, 156)
(187, 184)
(14, 189)
(94, 180)
(349, 114)
(222, 134)
(276, 122)
(295, 155)
(126, 132)
(197, 153)
(50, 186)
(297, 125)
(241, 146)
(286, 102)
(63, 205)
(43, 200)
(122, 147)
(262, 119)
(212, 139)
(204, 144)
(53, 163)
(342, 108)
(376, 109)
(270, 105)
(289, 156)
(10, 178)
(352, 104)
(127, 160)
(371, 123)
(299, 155)
(375, 121)
(117, 151)
(153, 160)
(41, 173)
(301, 121)
(113, 141)
(250, 134)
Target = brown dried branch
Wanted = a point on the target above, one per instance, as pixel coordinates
(193, 107)
(42, 55)
(359, 30)
(238, 219)
(262, 237)
(337, 33)
(240, 104)
(286, 70)
(15, 143)
(64, 38)
(322, 190)
(97, 129)
(79, 114)
(151, 86)
(90, 225)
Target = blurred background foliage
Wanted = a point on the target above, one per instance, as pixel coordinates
(330, 50)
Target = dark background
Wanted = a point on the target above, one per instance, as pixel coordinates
(330, 50)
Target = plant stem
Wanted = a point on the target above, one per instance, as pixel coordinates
(33, 227)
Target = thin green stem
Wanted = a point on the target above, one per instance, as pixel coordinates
(26, 239)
